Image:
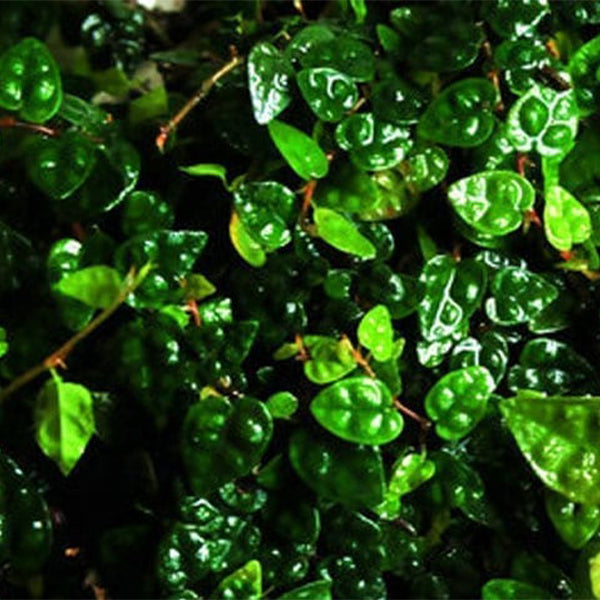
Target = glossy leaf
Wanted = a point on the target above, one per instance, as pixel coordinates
(251, 251)
(342, 53)
(408, 473)
(300, 151)
(223, 440)
(266, 209)
(557, 436)
(543, 120)
(60, 166)
(583, 68)
(31, 82)
(329, 93)
(329, 359)
(453, 291)
(348, 473)
(395, 101)
(342, 234)
(3, 342)
(493, 202)
(372, 144)
(282, 405)
(458, 401)
(269, 80)
(243, 584)
(424, 167)
(462, 115)
(64, 422)
(98, 286)
(575, 523)
(518, 296)
(513, 19)
(144, 212)
(566, 220)
(553, 367)
(490, 351)
(375, 332)
(207, 170)
(500, 589)
(358, 409)
(521, 60)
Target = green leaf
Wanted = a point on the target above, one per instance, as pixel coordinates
(222, 440)
(266, 209)
(424, 167)
(543, 120)
(521, 60)
(60, 166)
(575, 523)
(396, 101)
(501, 589)
(269, 80)
(329, 93)
(83, 114)
(373, 145)
(490, 351)
(208, 170)
(243, 584)
(566, 220)
(330, 359)
(3, 342)
(493, 202)
(375, 332)
(144, 212)
(197, 287)
(558, 437)
(300, 151)
(583, 68)
(282, 405)
(453, 291)
(64, 422)
(149, 106)
(462, 115)
(316, 590)
(342, 53)
(458, 401)
(518, 296)
(98, 286)
(251, 251)
(342, 234)
(360, 410)
(408, 473)
(348, 473)
(514, 19)
(360, 10)
(31, 82)
(553, 367)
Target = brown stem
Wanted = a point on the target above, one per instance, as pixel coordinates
(58, 357)
(207, 85)
(8, 122)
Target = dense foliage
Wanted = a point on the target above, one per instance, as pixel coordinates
(325, 278)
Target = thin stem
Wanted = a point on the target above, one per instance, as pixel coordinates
(58, 357)
(8, 122)
(207, 85)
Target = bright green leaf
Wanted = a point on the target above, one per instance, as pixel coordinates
(566, 220)
(243, 584)
(98, 286)
(342, 234)
(375, 332)
(282, 405)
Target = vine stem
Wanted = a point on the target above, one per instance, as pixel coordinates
(8, 122)
(58, 357)
(203, 91)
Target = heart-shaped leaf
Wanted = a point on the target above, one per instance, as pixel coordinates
(372, 144)
(358, 409)
(223, 440)
(490, 351)
(31, 82)
(543, 120)
(462, 115)
(60, 166)
(347, 473)
(566, 220)
(328, 93)
(558, 436)
(64, 422)
(458, 401)
(493, 202)
(330, 359)
(269, 79)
